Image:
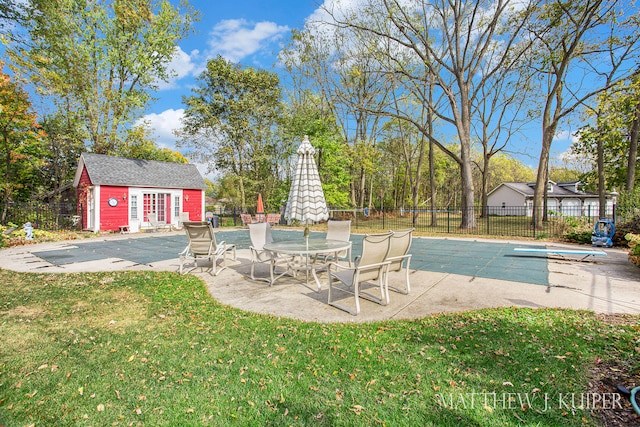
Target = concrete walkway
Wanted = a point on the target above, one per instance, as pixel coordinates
(608, 284)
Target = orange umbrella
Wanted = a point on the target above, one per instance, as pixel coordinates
(260, 206)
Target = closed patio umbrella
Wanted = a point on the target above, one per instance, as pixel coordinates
(260, 205)
(260, 217)
(306, 201)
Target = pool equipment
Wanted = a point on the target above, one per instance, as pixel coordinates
(602, 234)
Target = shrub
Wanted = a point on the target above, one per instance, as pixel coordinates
(634, 247)
(577, 230)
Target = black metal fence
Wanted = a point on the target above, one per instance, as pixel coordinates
(45, 216)
(494, 221)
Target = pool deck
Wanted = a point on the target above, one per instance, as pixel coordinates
(609, 284)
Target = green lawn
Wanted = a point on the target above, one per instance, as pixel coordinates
(141, 348)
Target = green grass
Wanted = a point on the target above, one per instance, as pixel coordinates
(142, 348)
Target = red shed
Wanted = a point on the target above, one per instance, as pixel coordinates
(114, 192)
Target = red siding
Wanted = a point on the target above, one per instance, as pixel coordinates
(112, 217)
(193, 205)
(81, 205)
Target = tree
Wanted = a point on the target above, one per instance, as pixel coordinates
(308, 114)
(460, 45)
(229, 123)
(20, 141)
(330, 64)
(575, 42)
(102, 57)
(12, 13)
(64, 142)
(610, 142)
(139, 145)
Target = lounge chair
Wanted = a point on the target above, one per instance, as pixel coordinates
(246, 219)
(273, 219)
(370, 266)
(399, 255)
(152, 219)
(203, 244)
(260, 234)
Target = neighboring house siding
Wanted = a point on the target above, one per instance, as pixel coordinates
(507, 202)
(112, 217)
(564, 199)
(192, 202)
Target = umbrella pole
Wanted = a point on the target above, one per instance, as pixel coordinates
(306, 260)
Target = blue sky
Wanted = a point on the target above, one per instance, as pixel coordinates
(251, 32)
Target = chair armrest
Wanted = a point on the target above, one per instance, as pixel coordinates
(360, 267)
(373, 266)
(339, 266)
(184, 252)
(399, 257)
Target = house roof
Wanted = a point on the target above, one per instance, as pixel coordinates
(120, 171)
(559, 189)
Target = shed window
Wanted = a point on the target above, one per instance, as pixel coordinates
(133, 206)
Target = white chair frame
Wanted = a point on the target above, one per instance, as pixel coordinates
(372, 265)
(203, 244)
(260, 234)
(399, 255)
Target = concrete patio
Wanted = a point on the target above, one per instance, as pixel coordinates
(608, 284)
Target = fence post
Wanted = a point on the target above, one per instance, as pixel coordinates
(613, 213)
(533, 221)
(486, 213)
(448, 219)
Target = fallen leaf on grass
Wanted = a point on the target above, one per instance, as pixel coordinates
(357, 409)
(100, 408)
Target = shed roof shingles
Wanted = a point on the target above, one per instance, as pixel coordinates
(109, 170)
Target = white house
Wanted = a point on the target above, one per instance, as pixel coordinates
(563, 199)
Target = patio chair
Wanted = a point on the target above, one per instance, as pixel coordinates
(399, 255)
(370, 266)
(246, 219)
(273, 219)
(184, 217)
(338, 230)
(152, 218)
(203, 244)
(260, 235)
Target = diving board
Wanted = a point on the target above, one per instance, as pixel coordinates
(585, 253)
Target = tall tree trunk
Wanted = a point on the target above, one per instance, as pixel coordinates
(602, 200)
(485, 183)
(633, 151)
(432, 184)
(542, 177)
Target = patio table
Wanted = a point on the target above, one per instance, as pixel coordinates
(307, 249)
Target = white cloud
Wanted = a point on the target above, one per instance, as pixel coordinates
(566, 136)
(162, 126)
(182, 65)
(236, 39)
